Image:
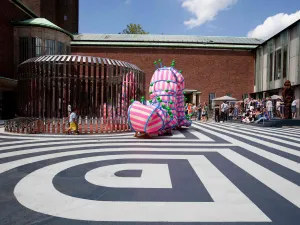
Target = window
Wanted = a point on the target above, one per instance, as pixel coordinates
(36, 47)
(23, 49)
(60, 48)
(277, 73)
(284, 67)
(210, 98)
(228, 94)
(65, 17)
(271, 66)
(50, 47)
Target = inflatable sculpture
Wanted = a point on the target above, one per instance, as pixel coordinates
(165, 110)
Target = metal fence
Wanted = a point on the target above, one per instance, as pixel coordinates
(100, 88)
(95, 86)
(60, 126)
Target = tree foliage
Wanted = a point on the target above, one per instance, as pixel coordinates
(134, 29)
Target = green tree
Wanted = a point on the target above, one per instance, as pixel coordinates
(134, 29)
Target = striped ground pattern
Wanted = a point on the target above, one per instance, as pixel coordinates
(211, 173)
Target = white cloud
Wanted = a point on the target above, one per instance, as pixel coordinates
(204, 10)
(274, 24)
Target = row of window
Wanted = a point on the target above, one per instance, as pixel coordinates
(33, 47)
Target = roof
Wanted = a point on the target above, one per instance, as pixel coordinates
(150, 40)
(280, 32)
(8, 84)
(225, 98)
(41, 22)
(24, 8)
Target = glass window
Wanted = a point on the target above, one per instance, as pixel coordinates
(23, 49)
(277, 73)
(271, 66)
(211, 97)
(36, 47)
(285, 61)
(228, 94)
(50, 47)
(60, 48)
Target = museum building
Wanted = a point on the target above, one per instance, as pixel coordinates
(212, 66)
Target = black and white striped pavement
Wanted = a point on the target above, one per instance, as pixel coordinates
(211, 173)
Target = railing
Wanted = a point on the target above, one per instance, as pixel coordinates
(60, 126)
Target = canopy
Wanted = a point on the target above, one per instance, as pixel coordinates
(275, 97)
(225, 98)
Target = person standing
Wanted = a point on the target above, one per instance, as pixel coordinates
(206, 111)
(190, 111)
(186, 109)
(269, 106)
(223, 108)
(217, 113)
(294, 107)
(235, 112)
(226, 111)
(278, 103)
(199, 112)
(73, 127)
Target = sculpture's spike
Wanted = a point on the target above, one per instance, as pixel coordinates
(160, 62)
(180, 71)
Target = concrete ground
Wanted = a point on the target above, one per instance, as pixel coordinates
(216, 174)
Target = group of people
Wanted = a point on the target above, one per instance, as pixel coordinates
(198, 112)
(272, 107)
(225, 111)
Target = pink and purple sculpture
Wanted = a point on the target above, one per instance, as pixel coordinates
(166, 109)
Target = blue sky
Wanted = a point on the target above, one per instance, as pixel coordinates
(209, 17)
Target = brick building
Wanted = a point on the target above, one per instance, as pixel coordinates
(24, 35)
(212, 66)
(63, 13)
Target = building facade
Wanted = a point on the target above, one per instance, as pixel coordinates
(212, 66)
(24, 35)
(278, 60)
(63, 13)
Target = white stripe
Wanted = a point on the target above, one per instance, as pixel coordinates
(58, 148)
(269, 133)
(266, 143)
(199, 135)
(286, 130)
(268, 155)
(283, 187)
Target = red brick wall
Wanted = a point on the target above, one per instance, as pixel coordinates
(34, 5)
(55, 10)
(8, 12)
(208, 71)
(71, 11)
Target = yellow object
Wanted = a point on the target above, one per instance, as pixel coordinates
(73, 126)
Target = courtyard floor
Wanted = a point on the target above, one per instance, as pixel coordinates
(217, 174)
